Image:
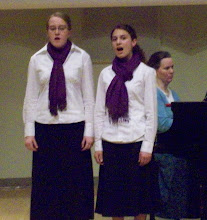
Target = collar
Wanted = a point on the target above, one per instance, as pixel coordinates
(44, 49)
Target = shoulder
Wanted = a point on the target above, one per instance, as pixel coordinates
(77, 50)
(159, 92)
(145, 73)
(145, 70)
(42, 51)
(38, 55)
(161, 97)
(173, 92)
(175, 95)
(106, 74)
(143, 66)
(107, 71)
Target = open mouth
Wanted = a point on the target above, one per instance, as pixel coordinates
(120, 48)
(57, 38)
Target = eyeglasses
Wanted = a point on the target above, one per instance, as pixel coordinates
(60, 28)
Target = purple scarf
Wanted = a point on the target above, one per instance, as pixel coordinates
(57, 87)
(117, 95)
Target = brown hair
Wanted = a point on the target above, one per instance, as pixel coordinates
(133, 35)
(156, 58)
(62, 15)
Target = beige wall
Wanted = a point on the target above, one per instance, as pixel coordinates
(180, 30)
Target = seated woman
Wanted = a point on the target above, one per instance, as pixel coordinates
(177, 187)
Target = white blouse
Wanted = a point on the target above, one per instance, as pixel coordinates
(79, 89)
(142, 125)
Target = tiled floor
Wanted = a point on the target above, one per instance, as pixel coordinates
(15, 204)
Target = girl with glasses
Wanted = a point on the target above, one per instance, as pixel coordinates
(58, 118)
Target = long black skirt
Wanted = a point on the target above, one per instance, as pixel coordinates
(125, 188)
(62, 176)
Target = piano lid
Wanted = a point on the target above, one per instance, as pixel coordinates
(189, 121)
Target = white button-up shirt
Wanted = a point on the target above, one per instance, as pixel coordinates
(142, 125)
(79, 90)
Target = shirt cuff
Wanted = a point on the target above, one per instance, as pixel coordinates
(147, 147)
(29, 129)
(98, 145)
(88, 131)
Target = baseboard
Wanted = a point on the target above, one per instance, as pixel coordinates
(16, 182)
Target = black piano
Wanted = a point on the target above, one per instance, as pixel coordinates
(188, 136)
(189, 126)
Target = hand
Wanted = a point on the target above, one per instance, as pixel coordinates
(30, 143)
(87, 143)
(144, 158)
(99, 157)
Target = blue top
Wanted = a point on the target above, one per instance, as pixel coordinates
(165, 114)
